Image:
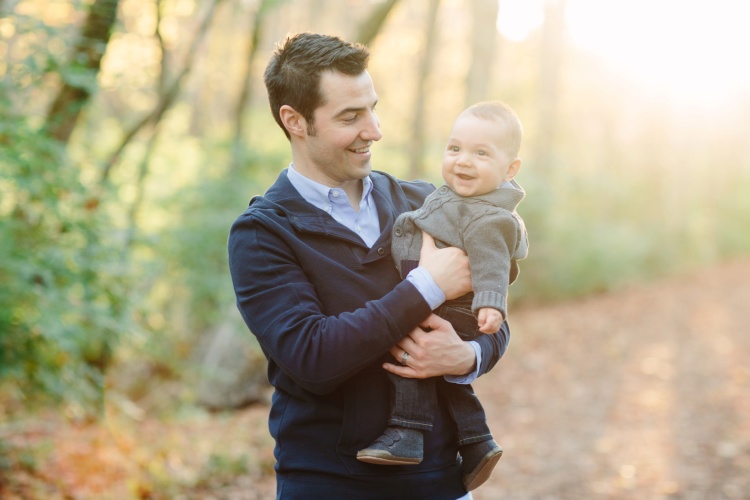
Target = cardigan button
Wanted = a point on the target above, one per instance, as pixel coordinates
(381, 251)
(398, 231)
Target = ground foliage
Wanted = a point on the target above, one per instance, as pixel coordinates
(629, 395)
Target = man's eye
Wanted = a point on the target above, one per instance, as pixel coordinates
(350, 119)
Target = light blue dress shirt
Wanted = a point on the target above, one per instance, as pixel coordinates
(366, 224)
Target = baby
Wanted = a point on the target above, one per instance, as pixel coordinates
(474, 210)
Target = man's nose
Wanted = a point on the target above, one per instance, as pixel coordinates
(372, 131)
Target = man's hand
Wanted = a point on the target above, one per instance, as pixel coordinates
(449, 267)
(434, 349)
(489, 320)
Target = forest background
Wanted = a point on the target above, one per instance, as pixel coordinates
(133, 132)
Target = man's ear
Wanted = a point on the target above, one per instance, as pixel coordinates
(292, 120)
(513, 169)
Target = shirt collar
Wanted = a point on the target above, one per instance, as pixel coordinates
(318, 194)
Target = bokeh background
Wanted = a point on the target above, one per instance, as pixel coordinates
(133, 132)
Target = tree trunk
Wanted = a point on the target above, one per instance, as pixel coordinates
(549, 83)
(246, 92)
(416, 145)
(86, 62)
(370, 28)
(484, 48)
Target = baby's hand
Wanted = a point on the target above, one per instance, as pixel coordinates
(489, 320)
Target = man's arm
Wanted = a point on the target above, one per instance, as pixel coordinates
(493, 347)
(281, 306)
(435, 349)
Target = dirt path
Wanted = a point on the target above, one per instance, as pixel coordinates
(640, 394)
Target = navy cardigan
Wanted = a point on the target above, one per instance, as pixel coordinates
(325, 309)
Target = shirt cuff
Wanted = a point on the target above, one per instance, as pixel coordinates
(425, 285)
(471, 377)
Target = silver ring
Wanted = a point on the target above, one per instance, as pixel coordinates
(403, 357)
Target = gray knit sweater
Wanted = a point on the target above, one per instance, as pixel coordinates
(486, 227)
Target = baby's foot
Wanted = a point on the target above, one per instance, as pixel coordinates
(397, 446)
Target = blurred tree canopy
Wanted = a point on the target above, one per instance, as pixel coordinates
(133, 132)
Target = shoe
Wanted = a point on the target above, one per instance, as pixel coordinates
(477, 462)
(397, 446)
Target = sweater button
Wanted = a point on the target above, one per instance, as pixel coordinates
(381, 251)
(398, 232)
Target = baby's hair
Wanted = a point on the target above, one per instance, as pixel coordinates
(499, 111)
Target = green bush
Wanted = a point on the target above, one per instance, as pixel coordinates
(63, 300)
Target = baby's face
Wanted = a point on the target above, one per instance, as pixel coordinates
(474, 161)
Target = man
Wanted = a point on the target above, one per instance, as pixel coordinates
(315, 283)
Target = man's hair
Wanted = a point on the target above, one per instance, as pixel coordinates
(292, 76)
(501, 112)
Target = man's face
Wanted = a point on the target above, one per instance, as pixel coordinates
(337, 144)
(474, 161)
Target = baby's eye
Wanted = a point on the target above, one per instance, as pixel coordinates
(481, 152)
(453, 148)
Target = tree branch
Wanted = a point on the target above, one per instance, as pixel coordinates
(167, 98)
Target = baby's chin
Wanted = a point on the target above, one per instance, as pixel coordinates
(468, 192)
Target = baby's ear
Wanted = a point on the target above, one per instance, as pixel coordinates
(513, 169)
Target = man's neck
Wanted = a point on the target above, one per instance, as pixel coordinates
(352, 189)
